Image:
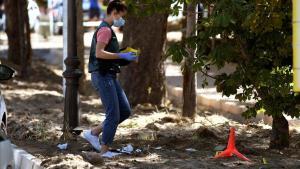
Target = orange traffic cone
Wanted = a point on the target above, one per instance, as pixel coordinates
(231, 149)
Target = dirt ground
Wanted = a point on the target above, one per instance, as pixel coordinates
(35, 107)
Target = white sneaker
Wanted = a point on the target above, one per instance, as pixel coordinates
(93, 140)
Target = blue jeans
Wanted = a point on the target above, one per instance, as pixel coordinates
(114, 100)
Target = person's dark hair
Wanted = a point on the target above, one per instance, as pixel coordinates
(116, 5)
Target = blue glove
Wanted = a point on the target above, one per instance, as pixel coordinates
(130, 56)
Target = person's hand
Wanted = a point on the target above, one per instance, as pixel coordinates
(130, 56)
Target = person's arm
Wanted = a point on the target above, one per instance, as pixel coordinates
(102, 54)
(103, 37)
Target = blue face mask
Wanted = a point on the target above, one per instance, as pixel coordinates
(119, 22)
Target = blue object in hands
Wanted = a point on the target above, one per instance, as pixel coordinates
(130, 56)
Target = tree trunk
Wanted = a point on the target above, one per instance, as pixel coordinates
(144, 82)
(18, 33)
(189, 76)
(280, 133)
(80, 46)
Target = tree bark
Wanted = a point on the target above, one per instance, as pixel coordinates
(144, 82)
(18, 33)
(189, 75)
(80, 46)
(280, 133)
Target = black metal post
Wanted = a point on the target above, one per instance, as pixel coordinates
(72, 72)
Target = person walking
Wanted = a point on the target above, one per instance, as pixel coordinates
(104, 65)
